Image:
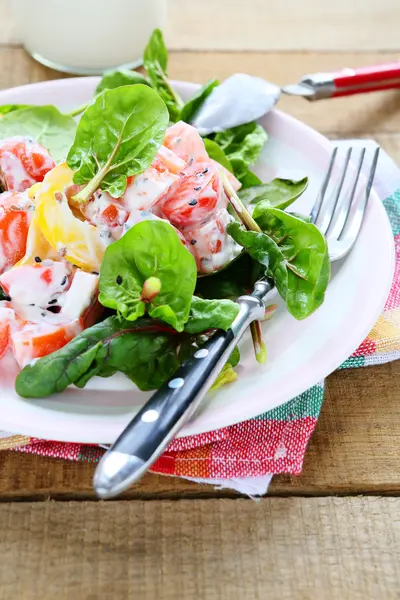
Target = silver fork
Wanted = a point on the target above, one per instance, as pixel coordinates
(158, 421)
(341, 221)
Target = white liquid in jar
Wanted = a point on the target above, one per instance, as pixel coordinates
(87, 36)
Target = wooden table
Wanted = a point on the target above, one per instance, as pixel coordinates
(334, 531)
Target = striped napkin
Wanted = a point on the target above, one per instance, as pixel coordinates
(246, 456)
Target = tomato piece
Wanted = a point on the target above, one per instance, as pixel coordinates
(37, 340)
(105, 212)
(166, 160)
(7, 318)
(192, 199)
(210, 243)
(23, 163)
(185, 141)
(15, 218)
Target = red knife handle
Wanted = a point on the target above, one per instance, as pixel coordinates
(366, 79)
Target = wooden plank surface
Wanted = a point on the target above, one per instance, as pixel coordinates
(329, 548)
(354, 450)
(361, 25)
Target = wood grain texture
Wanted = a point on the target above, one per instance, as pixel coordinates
(354, 450)
(285, 25)
(325, 548)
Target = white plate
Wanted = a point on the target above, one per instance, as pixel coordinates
(300, 354)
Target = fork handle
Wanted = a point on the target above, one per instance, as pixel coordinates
(152, 428)
(366, 79)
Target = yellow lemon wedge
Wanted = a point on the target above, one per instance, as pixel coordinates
(36, 245)
(33, 190)
(77, 241)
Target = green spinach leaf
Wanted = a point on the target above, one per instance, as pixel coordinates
(149, 270)
(278, 193)
(242, 146)
(265, 251)
(236, 279)
(7, 108)
(119, 77)
(249, 179)
(45, 124)
(216, 153)
(294, 254)
(155, 61)
(144, 351)
(210, 314)
(193, 105)
(227, 375)
(117, 136)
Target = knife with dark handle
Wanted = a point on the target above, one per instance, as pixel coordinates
(154, 426)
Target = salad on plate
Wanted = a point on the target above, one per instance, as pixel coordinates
(127, 234)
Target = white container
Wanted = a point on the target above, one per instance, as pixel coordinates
(87, 37)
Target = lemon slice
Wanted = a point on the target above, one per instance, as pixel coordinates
(77, 241)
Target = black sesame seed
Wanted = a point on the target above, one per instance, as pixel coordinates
(54, 309)
(191, 161)
(205, 171)
(193, 242)
(118, 281)
(54, 301)
(192, 202)
(95, 273)
(197, 189)
(33, 304)
(43, 314)
(38, 259)
(64, 280)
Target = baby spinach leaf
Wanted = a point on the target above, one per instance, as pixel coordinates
(242, 146)
(210, 314)
(144, 351)
(111, 80)
(117, 136)
(305, 218)
(278, 193)
(192, 106)
(149, 270)
(216, 153)
(155, 61)
(249, 179)
(7, 108)
(156, 51)
(227, 375)
(45, 124)
(234, 357)
(295, 255)
(118, 78)
(265, 251)
(233, 281)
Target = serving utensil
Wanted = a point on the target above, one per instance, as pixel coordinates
(242, 98)
(339, 215)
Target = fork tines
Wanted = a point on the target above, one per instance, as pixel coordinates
(343, 198)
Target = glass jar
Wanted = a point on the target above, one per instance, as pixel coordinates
(87, 37)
